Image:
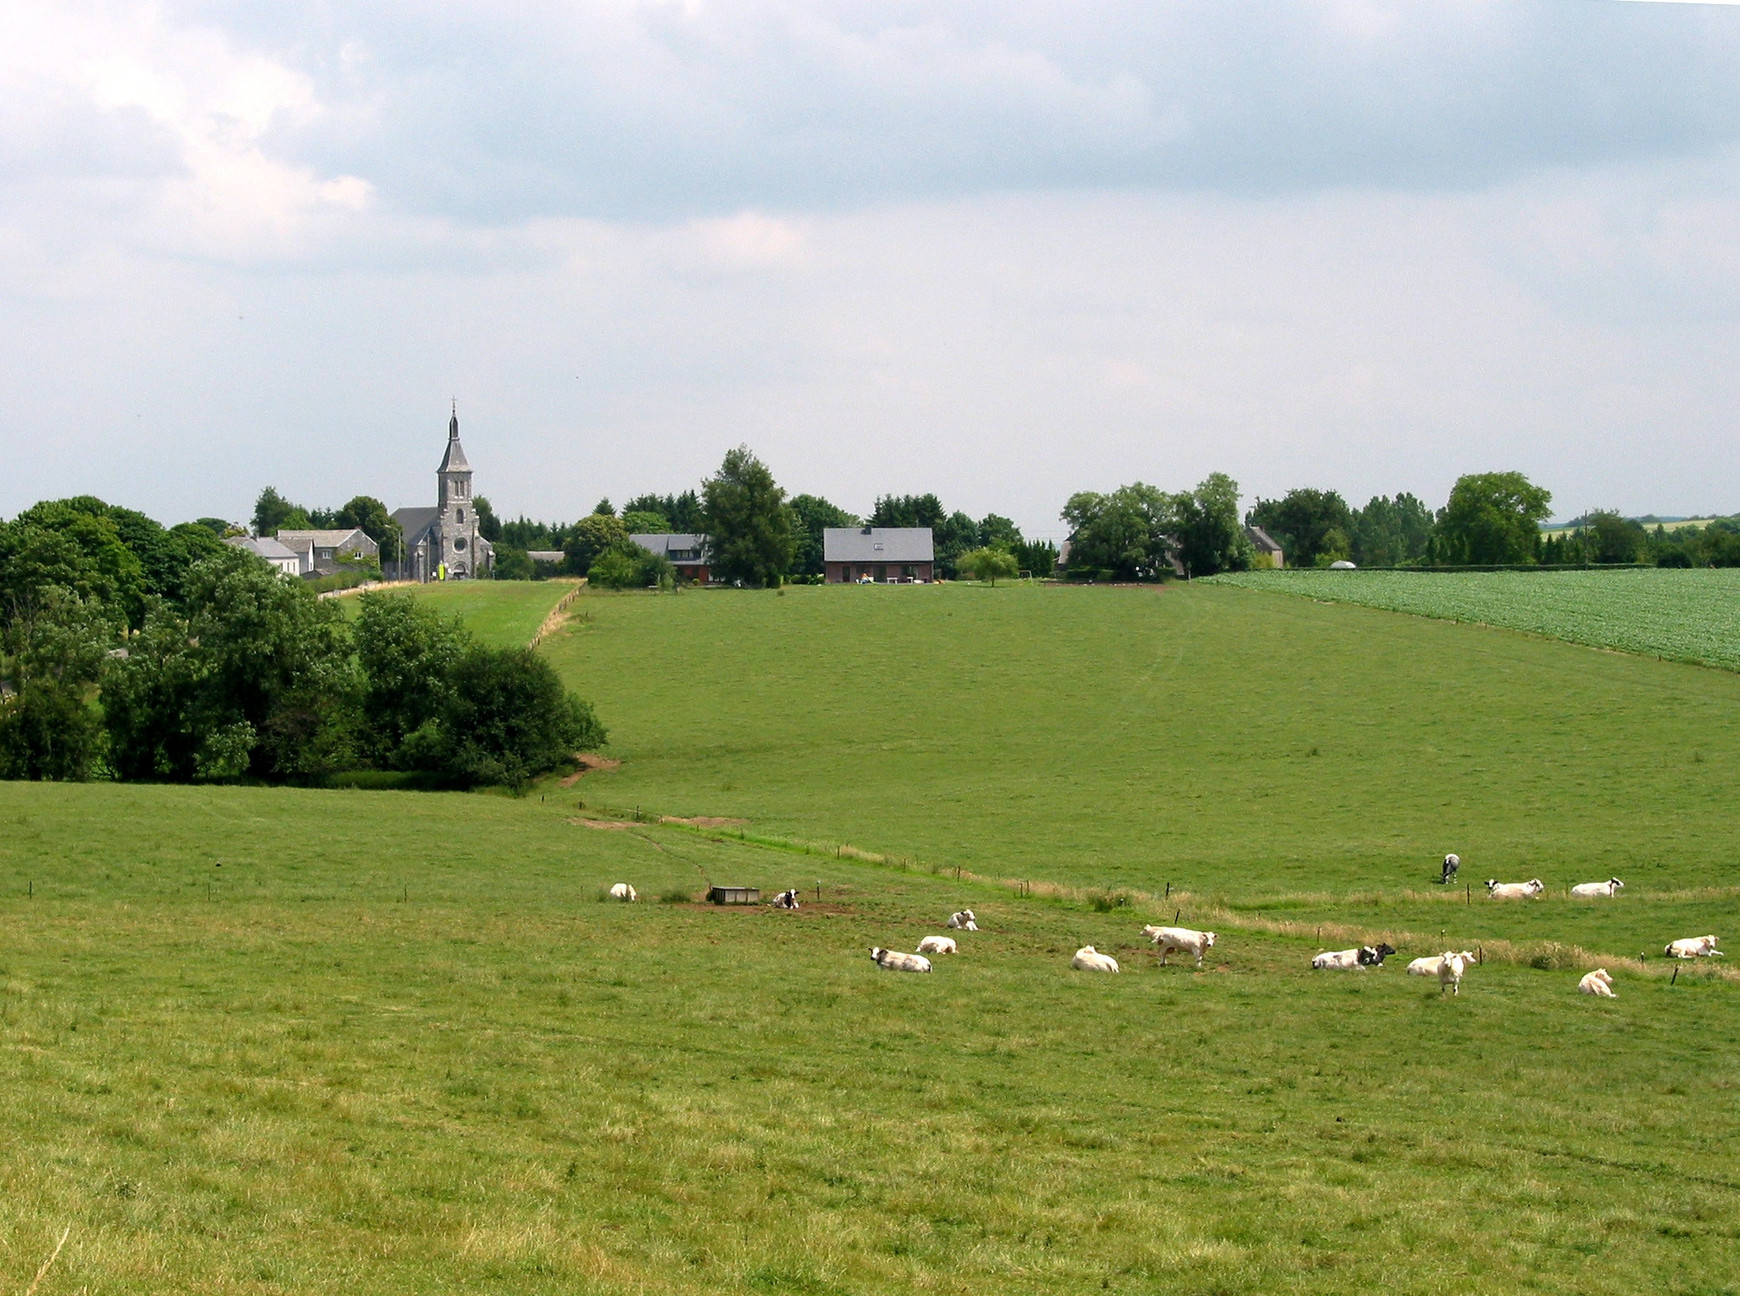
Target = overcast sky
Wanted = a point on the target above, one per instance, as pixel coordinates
(1000, 251)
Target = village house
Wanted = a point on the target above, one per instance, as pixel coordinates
(325, 553)
(1264, 543)
(686, 552)
(282, 557)
(884, 555)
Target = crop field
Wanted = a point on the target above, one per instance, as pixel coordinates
(1674, 614)
(276, 1040)
(502, 613)
(1202, 736)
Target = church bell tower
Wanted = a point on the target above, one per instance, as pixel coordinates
(458, 525)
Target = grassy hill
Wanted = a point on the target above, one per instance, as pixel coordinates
(394, 1044)
(1679, 615)
(1230, 743)
(503, 613)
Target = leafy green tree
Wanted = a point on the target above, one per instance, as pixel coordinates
(272, 513)
(404, 650)
(1126, 533)
(604, 508)
(1492, 518)
(750, 529)
(907, 511)
(1613, 539)
(1037, 557)
(591, 536)
(371, 517)
(49, 725)
(1391, 532)
(952, 537)
(814, 516)
(998, 532)
(522, 533)
(1210, 538)
(249, 649)
(682, 513)
(63, 544)
(513, 564)
(628, 566)
(1313, 527)
(989, 564)
(488, 524)
(645, 522)
(218, 527)
(506, 720)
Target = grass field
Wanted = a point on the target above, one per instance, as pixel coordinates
(1679, 615)
(503, 613)
(1216, 739)
(393, 1044)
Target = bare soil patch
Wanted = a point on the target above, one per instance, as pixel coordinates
(609, 825)
(705, 821)
(587, 764)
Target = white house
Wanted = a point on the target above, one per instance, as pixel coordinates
(284, 559)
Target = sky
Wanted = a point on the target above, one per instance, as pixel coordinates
(998, 251)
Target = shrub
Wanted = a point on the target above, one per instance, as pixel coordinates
(675, 895)
(1106, 901)
(628, 566)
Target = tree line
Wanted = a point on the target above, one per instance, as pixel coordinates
(133, 651)
(1490, 519)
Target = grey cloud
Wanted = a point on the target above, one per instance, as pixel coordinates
(488, 114)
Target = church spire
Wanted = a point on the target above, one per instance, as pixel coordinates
(453, 423)
(454, 460)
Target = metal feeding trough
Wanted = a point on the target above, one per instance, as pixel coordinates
(734, 895)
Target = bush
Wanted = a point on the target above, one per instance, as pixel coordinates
(628, 566)
(676, 895)
(1106, 901)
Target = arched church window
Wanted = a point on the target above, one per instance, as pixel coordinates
(459, 543)
(462, 515)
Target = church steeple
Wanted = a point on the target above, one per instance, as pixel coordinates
(454, 460)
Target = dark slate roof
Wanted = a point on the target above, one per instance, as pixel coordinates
(415, 522)
(877, 545)
(667, 543)
(454, 459)
(1262, 540)
(345, 538)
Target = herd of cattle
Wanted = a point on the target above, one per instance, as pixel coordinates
(1448, 967)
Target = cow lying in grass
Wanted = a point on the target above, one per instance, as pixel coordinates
(786, 899)
(1514, 890)
(1353, 960)
(895, 961)
(1693, 947)
(1088, 959)
(1593, 890)
(963, 921)
(1597, 983)
(938, 945)
(622, 891)
(1181, 940)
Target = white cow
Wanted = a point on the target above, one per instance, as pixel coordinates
(786, 899)
(1181, 940)
(1515, 890)
(1450, 972)
(963, 921)
(895, 961)
(1597, 983)
(1353, 960)
(1693, 947)
(1607, 889)
(622, 891)
(1088, 959)
(1429, 965)
(938, 945)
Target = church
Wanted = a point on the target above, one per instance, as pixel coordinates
(442, 543)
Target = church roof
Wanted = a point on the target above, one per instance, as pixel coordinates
(414, 523)
(454, 459)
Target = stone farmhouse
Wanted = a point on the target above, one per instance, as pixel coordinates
(323, 553)
(883, 555)
(286, 560)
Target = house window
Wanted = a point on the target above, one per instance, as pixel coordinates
(326, 553)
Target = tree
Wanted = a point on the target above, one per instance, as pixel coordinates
(645, 522)
(404, 651)
(1209, 536)
(628, 566)
(603, 508)
(682, 513)
(63, 544)
(750, 530)
(988, 564)
(272, 512)
(1037, 557)
(998, 532)
(1391, 532)
(1313, 527)
(907, 511)
(371, 517)
(1492, 518)
(1612, 539)
(488, 525)
(506, 719)
(1126, 534)
(815, 515)
(591, 536)
(49, 727)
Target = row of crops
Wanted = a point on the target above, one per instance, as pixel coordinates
(1678, 614)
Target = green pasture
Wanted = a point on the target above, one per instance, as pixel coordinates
(1223, 741)
(1677, 614)
(501, 613)
(279, 1040)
